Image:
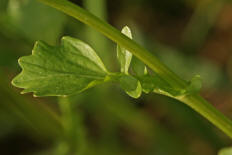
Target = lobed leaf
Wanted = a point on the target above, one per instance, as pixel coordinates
(57, 71)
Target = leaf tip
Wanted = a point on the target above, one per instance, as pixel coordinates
(65, 38)
(38, 44)
(127, 31)
(15, 81)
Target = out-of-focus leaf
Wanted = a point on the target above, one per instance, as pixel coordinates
(203, 19)
(36, 21)
(57, 71)
(226, 151)
(124, 56)
(3, 5)
(212, 76)
(131, 86)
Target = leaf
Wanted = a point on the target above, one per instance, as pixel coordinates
(124, 56)
(226, 151)
(131, 86)
(36, 21)
(57, 71)
(138, 67)
(158, 85)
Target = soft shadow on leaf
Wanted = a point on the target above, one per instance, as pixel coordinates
(57, 71)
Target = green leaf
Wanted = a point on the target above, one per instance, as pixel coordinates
(131, 86)
(158, 85)
(124, 56)
(138, 67)
(226, 151)
(57, 71)
(36, 21)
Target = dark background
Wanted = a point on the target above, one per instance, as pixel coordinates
(190, 36)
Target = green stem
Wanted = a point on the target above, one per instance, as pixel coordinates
(194, 101)
(73, 128)
(67, 121)
(65, 108)
(200, 105)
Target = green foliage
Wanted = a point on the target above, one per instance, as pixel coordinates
(129, 83)
(157, 85)
(57, 71)
(124, 56)
(131, 86)
(120, 127)
(195, 101)
(74, 67)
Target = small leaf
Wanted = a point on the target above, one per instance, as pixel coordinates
(138, 67)
(226, 151)
(131, 86)
(57, 71)
(124, 56)
(157, 85)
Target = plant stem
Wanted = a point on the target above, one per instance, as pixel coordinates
(200, 105)
(194, 101)
(73, 127)
(67, 121)
(65, 108)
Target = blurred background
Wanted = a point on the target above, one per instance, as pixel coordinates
(190, 36)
